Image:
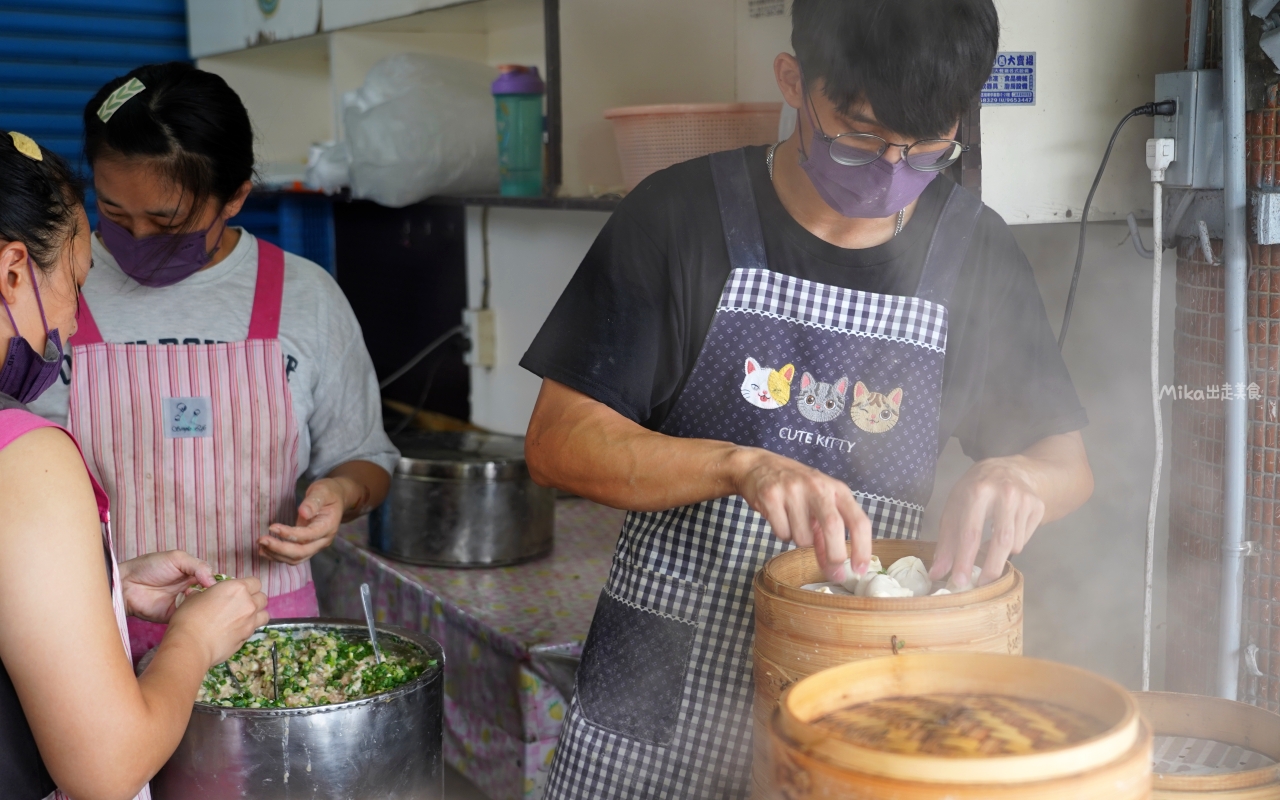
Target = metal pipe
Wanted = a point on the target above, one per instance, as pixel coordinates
(1197, 42)
(1236, 261)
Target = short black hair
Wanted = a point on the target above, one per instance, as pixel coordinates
(189, 121)
(919, 64)
(39, 200)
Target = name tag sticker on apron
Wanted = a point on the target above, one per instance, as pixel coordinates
(187, 418)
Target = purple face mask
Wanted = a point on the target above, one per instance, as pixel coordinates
(156, 261)
(25, 376)
(872, 191)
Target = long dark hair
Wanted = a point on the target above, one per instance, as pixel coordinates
(39, 201)
(188, 122)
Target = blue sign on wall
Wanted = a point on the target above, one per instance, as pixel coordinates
(1012, 82)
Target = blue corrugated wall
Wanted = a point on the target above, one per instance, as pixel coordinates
(54, 54)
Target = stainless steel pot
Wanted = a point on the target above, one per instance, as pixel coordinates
(463, 500)
(386, 747)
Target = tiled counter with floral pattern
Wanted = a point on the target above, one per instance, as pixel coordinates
(502, 713)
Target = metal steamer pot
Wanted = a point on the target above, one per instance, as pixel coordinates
(463, 500)
(387, 746)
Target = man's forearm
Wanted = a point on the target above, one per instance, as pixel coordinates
(1059, 468)
(577, 445)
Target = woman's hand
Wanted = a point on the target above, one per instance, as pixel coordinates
(319, 516)
(350, 490)
(220, 619)
(152, 584)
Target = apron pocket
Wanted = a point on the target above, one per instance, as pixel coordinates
(633, 670)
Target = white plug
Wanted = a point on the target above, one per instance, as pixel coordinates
(1160, 154)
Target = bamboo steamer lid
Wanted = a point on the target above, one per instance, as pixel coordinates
(1218, 720)
(800, 632)
(812, 763)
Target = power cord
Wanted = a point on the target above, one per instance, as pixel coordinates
(1160, 154)
(1165, 108)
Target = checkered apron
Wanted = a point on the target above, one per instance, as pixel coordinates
(663, 702)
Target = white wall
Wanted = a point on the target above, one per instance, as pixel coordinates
(624, 53)
(286, 89)
(532, 256)
(1097, 60)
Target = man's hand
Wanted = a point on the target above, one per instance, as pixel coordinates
(808, 507)
(151, 584)
(580, 445)
(1015, 495)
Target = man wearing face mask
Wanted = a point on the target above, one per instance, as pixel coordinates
(770, 347)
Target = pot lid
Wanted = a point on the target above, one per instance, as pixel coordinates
(462, 456)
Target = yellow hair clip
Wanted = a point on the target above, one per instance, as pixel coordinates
(26, 145)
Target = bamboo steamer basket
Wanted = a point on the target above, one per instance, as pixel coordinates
(801, 632)
(1218, 720)
(810, 764)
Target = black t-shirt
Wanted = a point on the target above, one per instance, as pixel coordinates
(628, 329)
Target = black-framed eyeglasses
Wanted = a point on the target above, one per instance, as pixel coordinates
(860, 149)
(926, 155)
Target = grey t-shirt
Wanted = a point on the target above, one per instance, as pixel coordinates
(335, 391)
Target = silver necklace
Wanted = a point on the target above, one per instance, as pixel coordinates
(902, 215)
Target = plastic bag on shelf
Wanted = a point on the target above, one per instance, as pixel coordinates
(421, 126)
(329, 167)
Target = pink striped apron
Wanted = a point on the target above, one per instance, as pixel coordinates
(197, 446)
(15, 423)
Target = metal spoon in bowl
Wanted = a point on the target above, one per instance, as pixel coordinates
(368, 618)
(275, 673)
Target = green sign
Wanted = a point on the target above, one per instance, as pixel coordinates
(268, 6)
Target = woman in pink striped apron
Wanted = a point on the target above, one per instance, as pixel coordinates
(74, 720)
(211, 370)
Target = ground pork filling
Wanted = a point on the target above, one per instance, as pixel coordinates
(315, 668)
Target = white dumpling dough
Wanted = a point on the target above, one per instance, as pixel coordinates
(827, 588)
(940, 593)
(910, 573)
(854, 583)
(885, 586)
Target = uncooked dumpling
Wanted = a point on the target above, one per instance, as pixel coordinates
(827, 588)
(910, 573)
(885, 586)
(855, 583)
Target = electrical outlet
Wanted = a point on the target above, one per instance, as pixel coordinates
(482, 333)
(1196, 127)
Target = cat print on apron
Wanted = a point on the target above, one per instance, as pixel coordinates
(847, 382)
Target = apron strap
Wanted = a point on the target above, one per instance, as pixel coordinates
(87, 332)
(738, 212)
(268, 295)
(950, 246)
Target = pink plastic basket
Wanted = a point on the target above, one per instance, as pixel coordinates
(651, 138)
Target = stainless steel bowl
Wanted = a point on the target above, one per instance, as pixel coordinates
(387, 746)
(463, 500)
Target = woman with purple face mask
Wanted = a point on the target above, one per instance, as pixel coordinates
(74, 719)
(211, 370)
